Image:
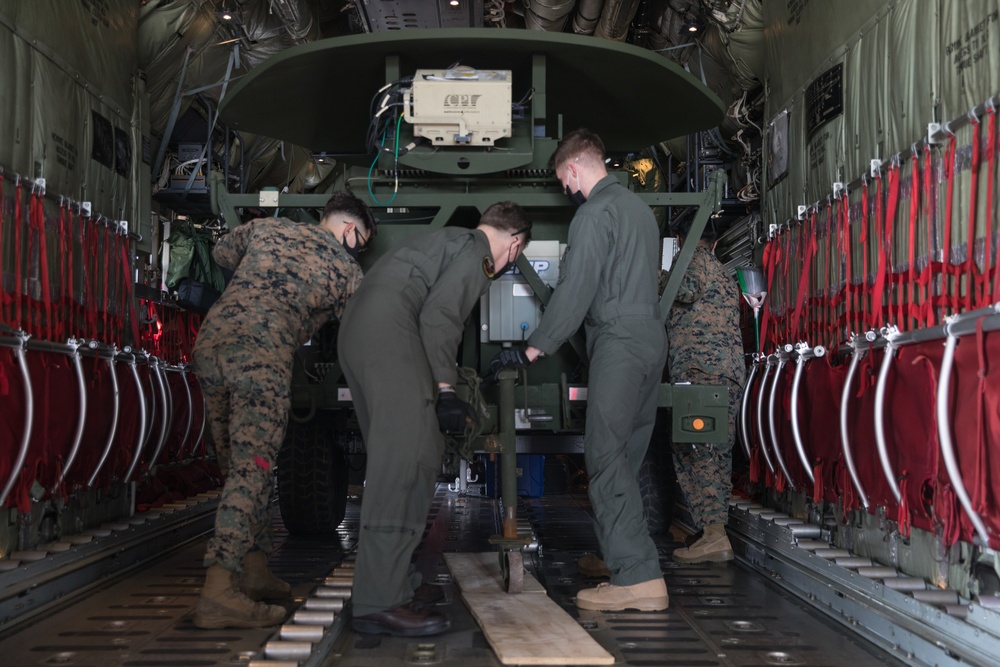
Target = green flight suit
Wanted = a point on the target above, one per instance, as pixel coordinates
(608, 275)
(290, 279)
(398, 339)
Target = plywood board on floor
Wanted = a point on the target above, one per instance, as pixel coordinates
(526, 628)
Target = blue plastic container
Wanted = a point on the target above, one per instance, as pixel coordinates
(530, 475)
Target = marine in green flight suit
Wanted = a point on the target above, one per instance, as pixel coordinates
(398, 344)
(608, 281)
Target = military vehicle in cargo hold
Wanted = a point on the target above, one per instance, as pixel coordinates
(457, 120)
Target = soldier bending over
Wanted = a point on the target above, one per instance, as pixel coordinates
(289, 280)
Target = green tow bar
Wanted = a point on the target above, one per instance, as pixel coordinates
(509, 543)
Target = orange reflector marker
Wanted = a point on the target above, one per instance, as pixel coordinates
(698, 424)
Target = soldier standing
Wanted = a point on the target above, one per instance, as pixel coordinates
(608, 279)
(398, 344)
(290, 279)
(706, 348)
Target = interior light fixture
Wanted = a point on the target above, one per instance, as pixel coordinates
(226, 15)
(691, 26)
(454, 3)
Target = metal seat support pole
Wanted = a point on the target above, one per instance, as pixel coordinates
(74, 355)
(17, 344)
(760, 411)
(944, 433)
(153, 399)
(201, 424)
(783, 356)
(156, 370)
(744, 425)
(141, 435)
(805, 353)
(883, 448)
(857, 342)
(115, 406)
(190, 415)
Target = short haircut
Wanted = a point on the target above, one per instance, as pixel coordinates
(681, 225)
(344, 203)
(578, 143)
(508, 217)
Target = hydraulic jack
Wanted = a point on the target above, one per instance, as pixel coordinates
(509, 543)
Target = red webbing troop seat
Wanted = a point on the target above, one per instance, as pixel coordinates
(911, 431)
(182, 430)
(124, 446)
(861, 427)
(820, 409)
(975, 429)
(56, 403)
(98, 424)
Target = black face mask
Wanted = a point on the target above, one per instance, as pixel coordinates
(575, 198)
(505, 269)
(358, 248)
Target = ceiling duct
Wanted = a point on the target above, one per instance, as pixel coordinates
(387, 15)
(547, 15)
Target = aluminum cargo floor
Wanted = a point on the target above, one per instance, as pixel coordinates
(719, 615)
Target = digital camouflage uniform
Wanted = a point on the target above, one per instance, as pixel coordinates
(290, 279)
(706, 348)
(398, 339)
(608, 280)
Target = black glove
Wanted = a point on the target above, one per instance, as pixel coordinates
(453, 413)
(509, 357)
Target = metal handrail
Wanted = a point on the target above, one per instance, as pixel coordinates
(190, 413)
(17, 343)
(81, 420)
(760, 411)
(744, 426)
(954, 325)
(858, 343)
(889, 333)
(113, 429)
(204, 422)
(141, 435)
(169, 395)
(162, 438)
(783, 356)
(153, 398)
(803, 354)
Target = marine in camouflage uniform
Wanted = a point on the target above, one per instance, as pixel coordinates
(705, 347)
(398, 344)
(289, 280)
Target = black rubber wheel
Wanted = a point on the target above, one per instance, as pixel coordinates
(514, 574)
(312, 478)
(657, 483)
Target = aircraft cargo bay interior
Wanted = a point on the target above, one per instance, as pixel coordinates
(499, 332)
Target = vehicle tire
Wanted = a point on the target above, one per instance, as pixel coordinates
(312, 476)
(656, 479)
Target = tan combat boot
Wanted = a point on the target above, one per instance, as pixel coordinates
(258, 583)
(221, 605)
(648, 596)
(713, 547)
